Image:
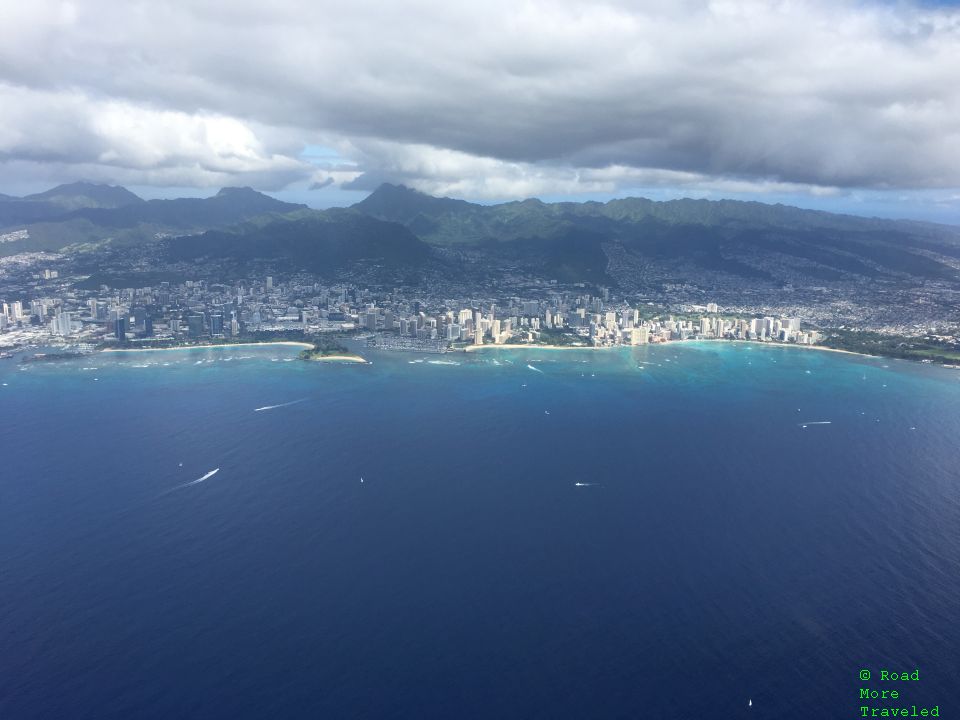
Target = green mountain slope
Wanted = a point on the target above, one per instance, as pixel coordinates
(320, 242)
(725, 236)
(129, 220)
(78, 195)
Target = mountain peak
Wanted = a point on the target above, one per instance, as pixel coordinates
(85, 194)
(400, 203)
(238, 191)
(398, 189)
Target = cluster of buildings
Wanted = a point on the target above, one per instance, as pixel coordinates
(192, 311)
(199, 312)
(585, 321)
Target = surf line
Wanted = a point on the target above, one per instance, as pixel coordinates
(274, 407)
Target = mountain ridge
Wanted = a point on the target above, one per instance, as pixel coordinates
(731, 237)
(624, 241)
(53, 227)
(384, 201)
(83, 194)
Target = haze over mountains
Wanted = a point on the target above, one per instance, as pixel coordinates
(616, 242)
(82, 215)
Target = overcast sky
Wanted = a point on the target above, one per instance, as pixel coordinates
(851, 106)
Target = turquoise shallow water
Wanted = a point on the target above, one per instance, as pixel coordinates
(721, 551)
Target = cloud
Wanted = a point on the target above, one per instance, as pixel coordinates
(439, 171)
(116, 138)
(321, 184)
(498, 99)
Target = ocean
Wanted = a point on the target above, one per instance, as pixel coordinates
(699, 530)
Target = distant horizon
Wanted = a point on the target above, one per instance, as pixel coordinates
(345, 198)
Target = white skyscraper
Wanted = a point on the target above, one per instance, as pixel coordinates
(64, 324)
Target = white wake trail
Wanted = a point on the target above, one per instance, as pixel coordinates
(188, 484)
(201, 479)
(274, 407)
(535, 369)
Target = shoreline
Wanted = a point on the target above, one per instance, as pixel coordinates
(823, 348)
(291, 343)
(341, 358)
(527, 346)
(475, 348)
(535, 346)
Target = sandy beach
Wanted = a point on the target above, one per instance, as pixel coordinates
(525, 346)
(340, 358)
(534, 346)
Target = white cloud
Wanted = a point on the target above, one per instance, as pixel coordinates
(493, 99)
(145, 144)
(440, 171)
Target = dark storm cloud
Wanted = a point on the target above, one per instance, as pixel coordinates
(487, 99)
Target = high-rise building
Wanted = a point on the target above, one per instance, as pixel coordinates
(139, 316)
(269, 282)
(120, 328)
(216, 324)
(64, 324)
(195, 325)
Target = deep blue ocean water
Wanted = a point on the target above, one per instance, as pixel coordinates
(722, 552)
